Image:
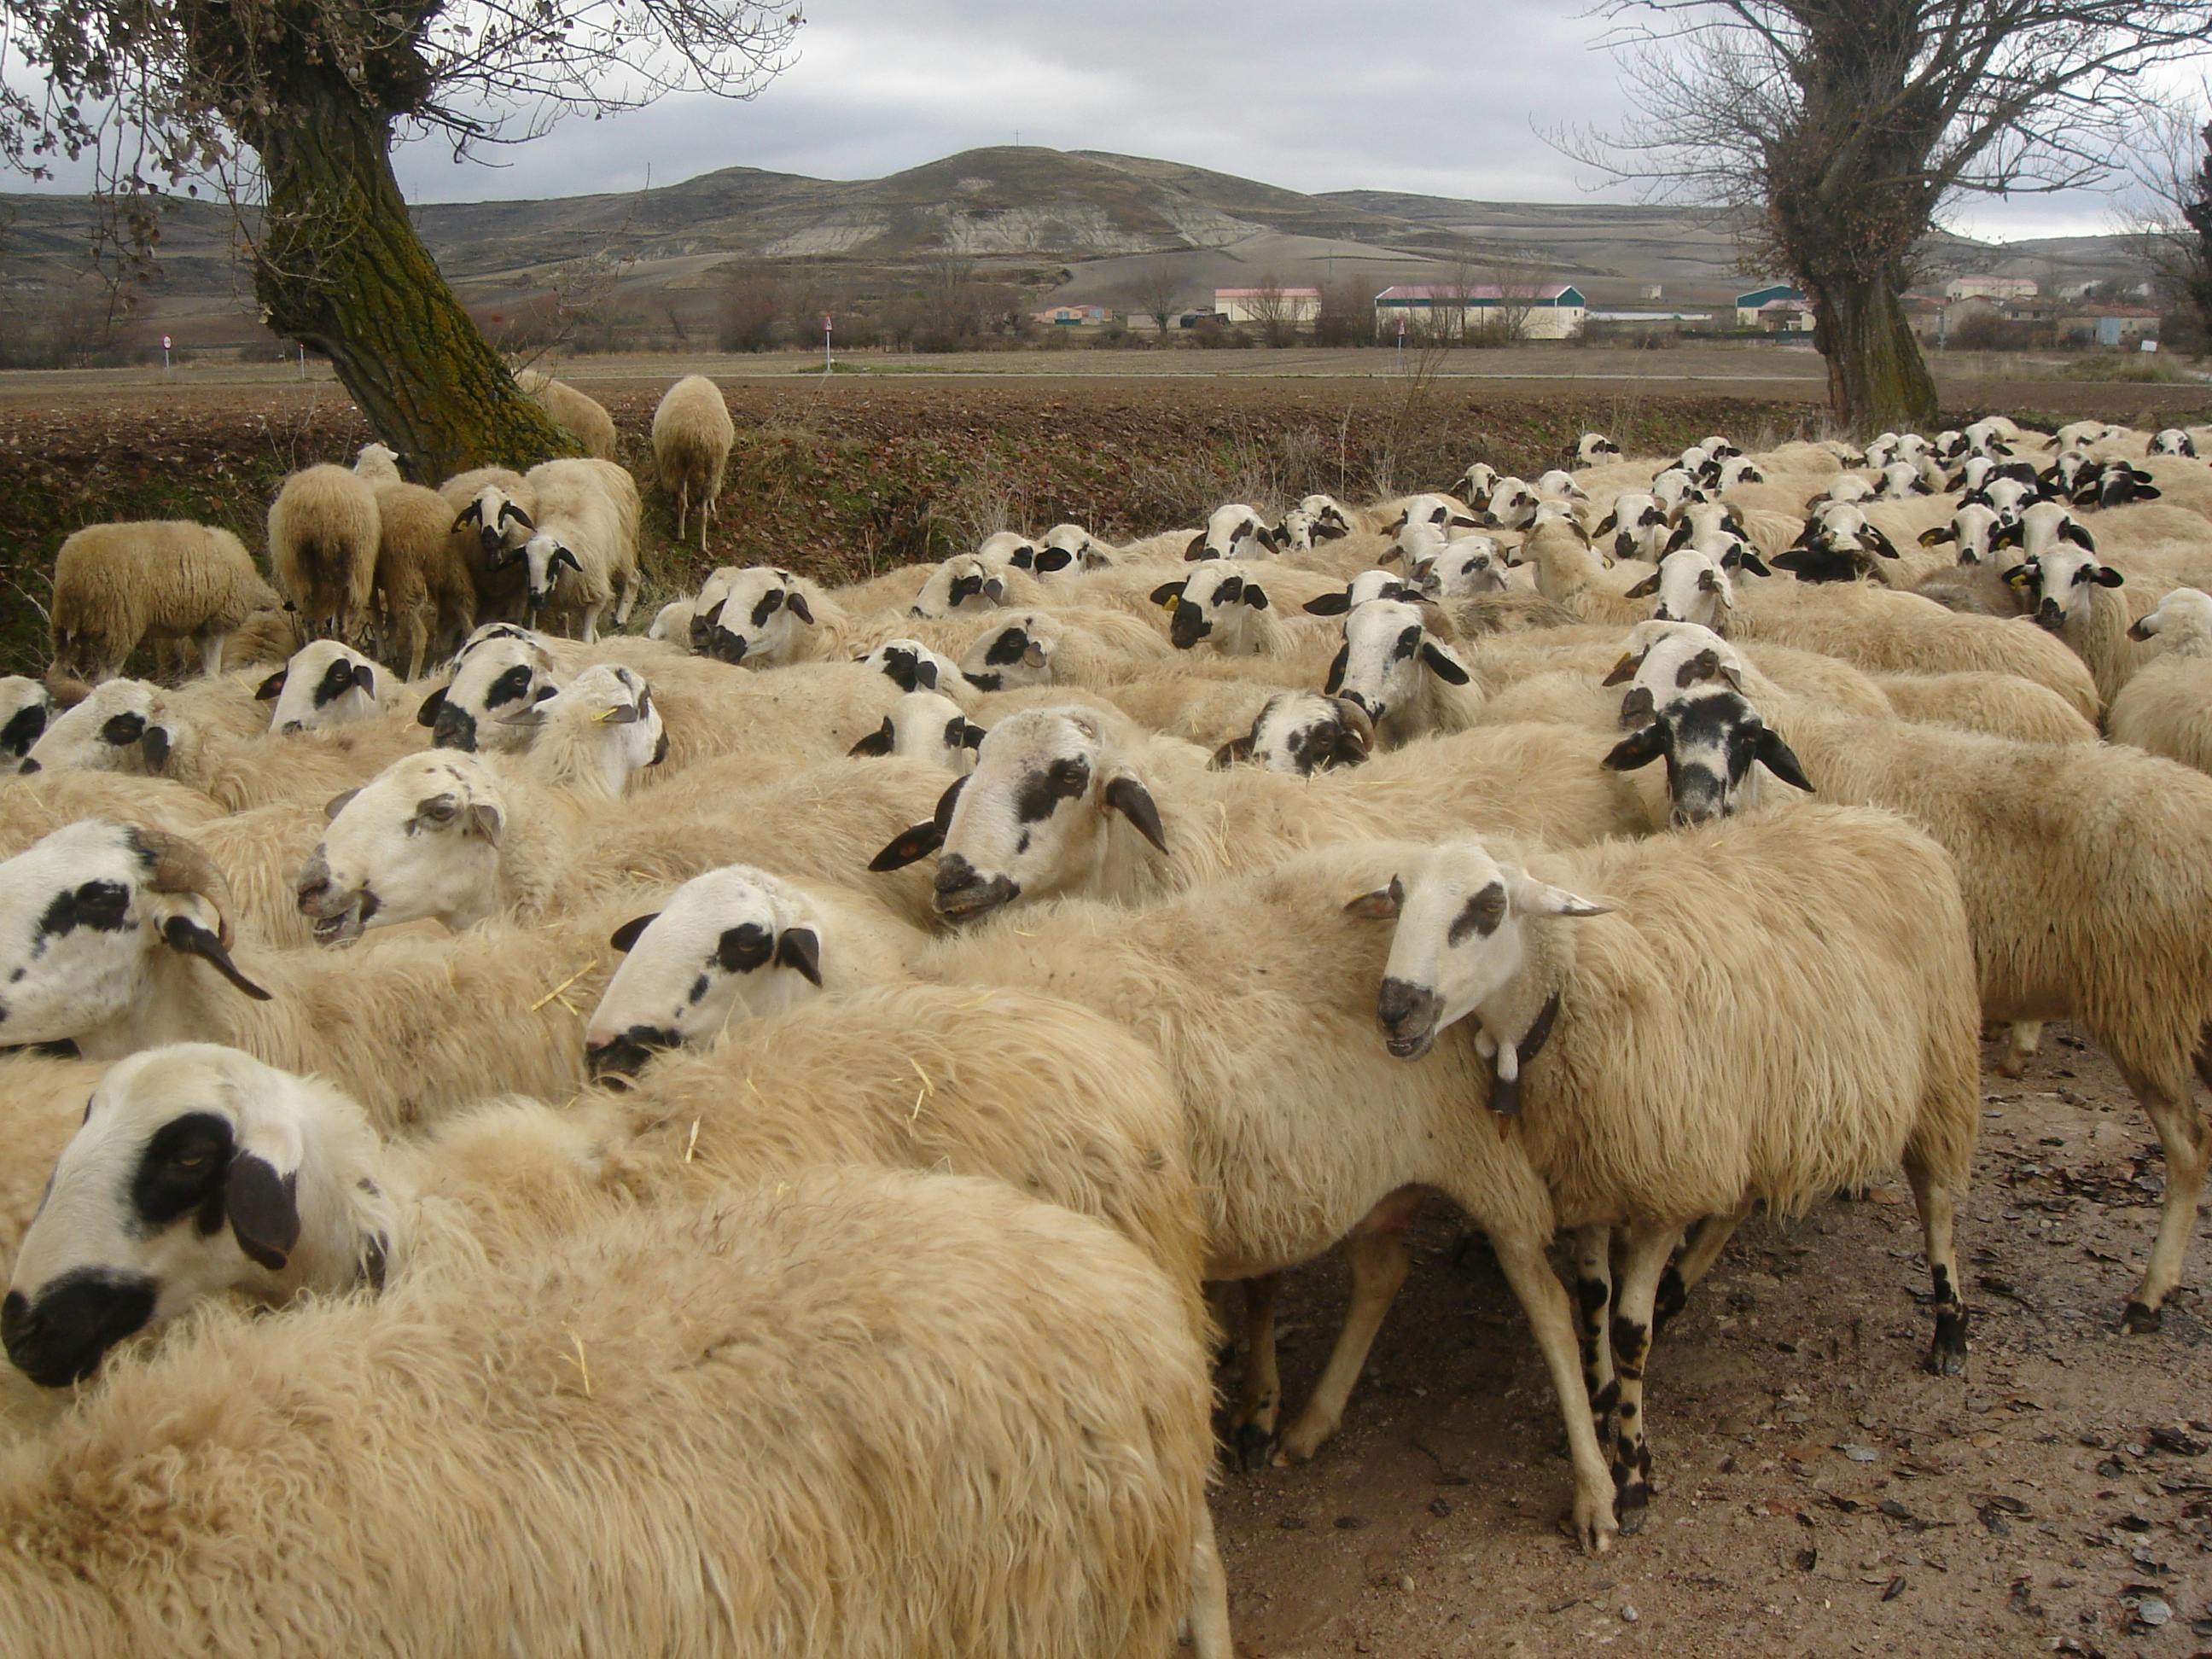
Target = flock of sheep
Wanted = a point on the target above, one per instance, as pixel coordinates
(718, 1139)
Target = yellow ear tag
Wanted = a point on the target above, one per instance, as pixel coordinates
(1170, 602)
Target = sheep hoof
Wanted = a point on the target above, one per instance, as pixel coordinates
(1595, 1525)
(2140, 1320)
(1629, 1508)
(1252, 1444)
(1947, 1356)
(2011, 1065)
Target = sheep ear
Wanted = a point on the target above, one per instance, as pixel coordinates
(1330, 605)
(1709, 581)
(624, 938)
(1644, 589)
(1167, 593)
(1780, 759)
(509, 510)
(1230, 753)
(364, 678)
(800, 948)
(484, 819)
(2078, 533)
(1938, 535)
(1636, 749)
(1535, 898)
(270, 687)
(153, 745)
(2008, 535)
(878, 742)
(183, 935)
(910, 846)
(337, 804)
(262, 1203)
(1126, 795)
(2107, 577)
(1334, 683)
(796, 603)
(472, 514)
(1882, 544)
(1747, 560)
(972, 735)
(1196, 550)
(1381, 905)
(1623, 670)
(428, 713)
(1255, 595)
(1606, 525)
(1442, 663)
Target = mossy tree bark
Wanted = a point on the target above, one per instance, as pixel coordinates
(339, 267)
(1877, 378)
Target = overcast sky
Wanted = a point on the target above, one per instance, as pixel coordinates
(1426, 95)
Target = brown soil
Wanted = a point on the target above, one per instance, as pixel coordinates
(2024, 1508)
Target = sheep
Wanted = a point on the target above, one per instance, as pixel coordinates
(2081, 435)
(1674, 487)
(1692, 587)
(2114, 483)
(1975, 584)
(765, 615)
(1592, 449)
(26, 706)
(1007, 549)
(1840, 543)
(2087, 874)
(2069, 593)
(913, 666)
(1018, 1465)
(1694, 991)
(1067, 550)
(1395, 671)
(1734, 472)
(377, 464)
(115, 728)
(500, 670)
(964, 584)
(1638, 525)
(2167, 706)
(692, 432)
(1570, 573)
(1073, 800)
(582, 417)
(36, 806)
(1899, 480)
(1469, 568)
(1232, 531)
(323, 533)
(594, 736)
(323, 684)
(118, 585)
(1302, 733)
(926, 727)
(1061, 647)
(1239, 613)
(2173, 440)
(424, 584)
(492, 507)
(673, 623)
(1844, 487)
(587, 524)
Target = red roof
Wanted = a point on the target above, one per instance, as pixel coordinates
(1264, 293)
(1474, 291)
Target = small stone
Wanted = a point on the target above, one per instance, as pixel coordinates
(1628, 1615)
(1440, 1506)
(2153, 1611)
(1860, 1454)
(1349, 1523)
(1405, 1581)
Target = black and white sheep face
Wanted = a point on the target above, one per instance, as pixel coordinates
(1017, 653)
(1034, 818)
(1302, 733)
(548, 562)
(1069, 551)
(1971, 528)
(420, 839)
(1638, 525)
(26, 706)
(963, 585)
(2173, 441)
(1665, 660)
(1691, 587)
(2079, 434)
(1674, 486)
(1329, 517)
(122, 725)
(325, 683)
(1463, 569)
(1459, 941)
(1838, 543)
(1513, 505)
(494, 680)
(733, 944)
(1738, 470)
(612, 719)
(1593, 449)
(1899, 481)
(758, 620)
(1296, 531)
(926, 727)
(1233, 532)
(911, 666)
(500, 527)
(1714, 744)
(86, 915)
(182, 1183)
(1365, 587)
(1008, 550)
(2186, 611)
(2059, 581)
(1476, 485)
(1218, 606)
(1387, 648)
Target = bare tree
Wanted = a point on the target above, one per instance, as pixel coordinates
(295, 105)
(1270, 307)
(1151, 292)
(2169, 218)
(1841, 130)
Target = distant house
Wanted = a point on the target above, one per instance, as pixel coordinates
(2113, 326)
(1991, 287)
(1074, 316)
(1295, 305)
(1784, 316)
(1549, 311)
(1747, 305)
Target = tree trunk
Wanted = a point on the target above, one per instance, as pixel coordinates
(1877, 379)
(339, 268)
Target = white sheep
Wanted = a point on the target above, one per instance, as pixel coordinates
(1240, 612)
(1404, 679)
(1069, 551)
(913, 666)
(118, 585)
(2087, 869)
(116, 728)
(379, 464)
(963, 583)
(1593, 449)
(587, 526)
(323, 684)
(499, 671)
(492, 507)
(1302, 733)
(1638, 525)
(926, 727)
(1234, 531)
(764, 616)
(1838, 542)
(322, 532)
(583, 418)
(2173, 440)
(2070, 592)
(2166, 706)
(425, 580)
(692, 434)
(26, 706)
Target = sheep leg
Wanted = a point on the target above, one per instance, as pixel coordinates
(683, 505)
(1544, 1300)
(2187, 1139)
(1935, 1194)
(626, 594)
(1254, 1426)
(1209, 1596)
(2022, 1037)
(1379, 1258)
(589, 632)
(1645, 1259)
(1593, 1306)
(1701, 1247)
(211, 645)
